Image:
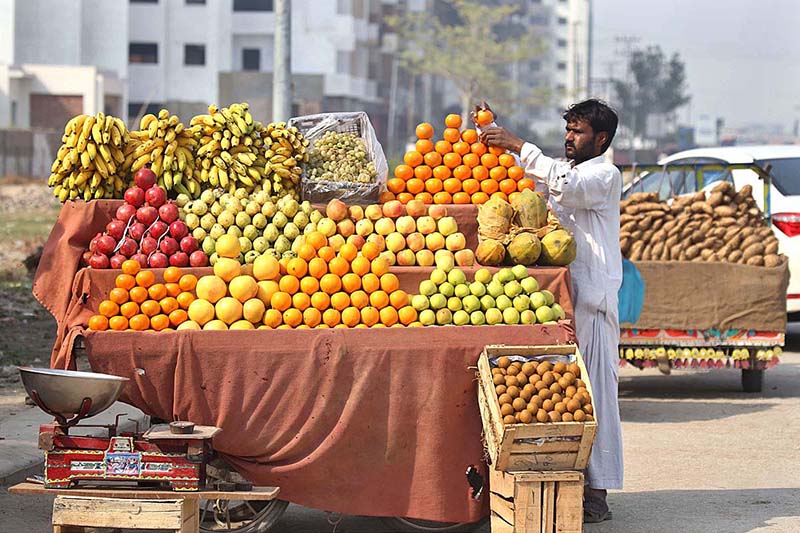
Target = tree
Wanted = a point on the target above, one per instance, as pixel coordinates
(658, 86)
(471, 44)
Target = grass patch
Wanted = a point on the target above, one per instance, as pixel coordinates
(34, 225)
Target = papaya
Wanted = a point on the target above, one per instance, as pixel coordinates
(530, 209)
(494, 218)
(490, 252)
(558, 248)
(524, 249)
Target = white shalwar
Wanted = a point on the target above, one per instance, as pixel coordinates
(586, 200)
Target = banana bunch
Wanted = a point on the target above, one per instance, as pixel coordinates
(164, 143)
(88, 165)
(230, 151)
(285, 152)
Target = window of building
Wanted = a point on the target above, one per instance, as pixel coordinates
(139, 109)
(344, 7)
(144, 1)
(142, 53)
(252, 5)
(562, 21)
(562, 43)
(195, 2)
(194, 54)
(343, 62)
(251, 59)
(562, 65)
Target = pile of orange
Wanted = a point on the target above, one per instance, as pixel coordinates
(138, 302)
(457, 169)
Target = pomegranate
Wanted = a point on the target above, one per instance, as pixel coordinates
(98, 261)
(117, 260)
(93, 242)
(179, 259)
(135, 196)
(136, 231)
(178, 229)
(168, 212)
(116, 228)
(189, 244)
(125, 212)
(141, 258)
(198, 258)
(169, 245)
(159, 260)
(158, 228)
(148, 245)
(155, 196)
(145, 178)
(106, 244)
(128, 247)
(146, 215)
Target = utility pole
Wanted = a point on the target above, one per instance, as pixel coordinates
(282, 73)
(625, 47)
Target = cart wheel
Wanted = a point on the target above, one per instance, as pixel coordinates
(414, 524)
(752, 379)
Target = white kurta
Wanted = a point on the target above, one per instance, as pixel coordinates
(586, 200)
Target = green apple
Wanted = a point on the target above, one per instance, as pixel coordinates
(447, 289)
(477, 288)
(438, 301)
(438, 276)
(495, 288)
(454, 303)
(483, 275)
(494, 316)
(503, 302)
(427, 317)
(420, 302)
(512, 288)
(462, 290)
(527, 317)
(544, 314)
(460, 318)
(471, 303)
(444, 317)
(504, 275)
(520, 271)
(548, 296)
(511, 316)
(428, 288)
(477, 318)
(487, 302)
(558, 311)
(529, 285)
(522, 303)
(538, 300)
(456, 277)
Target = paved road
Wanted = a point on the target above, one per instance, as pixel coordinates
(700, 456)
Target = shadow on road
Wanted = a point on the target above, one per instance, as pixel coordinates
(677, 412)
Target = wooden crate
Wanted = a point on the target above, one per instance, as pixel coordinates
(536, 502)
(534, 446)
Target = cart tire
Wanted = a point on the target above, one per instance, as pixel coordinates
(752, 379)
(265, 518)
(412, 525)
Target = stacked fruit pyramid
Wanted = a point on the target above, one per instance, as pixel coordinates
(457, 169)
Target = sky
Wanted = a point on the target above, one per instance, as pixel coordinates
(742, 56)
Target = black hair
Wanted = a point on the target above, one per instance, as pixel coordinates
(599, 116)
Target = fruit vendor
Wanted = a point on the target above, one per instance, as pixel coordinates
(583, 191)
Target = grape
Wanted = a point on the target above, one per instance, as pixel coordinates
(340, 157)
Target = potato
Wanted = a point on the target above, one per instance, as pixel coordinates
(726, 222)
(724, 211)
(756, 260)
(658, 248)
(715, 199)
(772, 260)
(770, 247)
(723, 187)
(752, 239)
(735, 256)
(706, 254)
(692, 251)
(744, 193)
(755, 249)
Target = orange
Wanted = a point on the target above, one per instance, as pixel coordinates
(379, 299)
(309, 285)
(292, 317)
(405, 197)
(348, 251)
(312, 317)
(485, 117)
(301, 301)
(461, 198)
(125, 281)
(478, 148)
(471, 186)
(369, 316)
(451, 135)
(424, 197)
(379, 266)
(440, 173)
(150, 308)
(396, 185)
(185, 299)
(108, 308)
(496, 150)
(388, 316)
(320, 300)
(512, 196)
(128, 309)
(131, 267)
(499, 173)
(351, 282)
(462, 172)
(452, 120)
(452, 185)
(370, 282)
(118, 323)
(98, 323)
(145, 278)
(516, 173)
(172, 274)
(471, 160)
(489, 160)
(178, 317)
(297, 267)
(289, 284)
(415, 185)
(507, 160)
(501, 195)
(282, 262)
(423, 146)
(159, 322)
(423, 172)
(140, 322)
(351, 316)
(138, 294)
(489, 186)
(480, 198)
(306, 252)
(317, 239)
(118, 295)
(424, 131)
(173, 289)
(169, 304)
(359, 299)
(433, 159)
(385, 196)
(413, 158)
(272, 318)
(317, 267)
(480, 173)
(389, 283)
(526, 183)
(326, 253)
(443, 197)
(360, 264)
(403, 172)
(331, 317)
(461, 148)
(451, 160)
(330, 283)
(340, 300)
(407, 315)
(157, 291)
(280, 301)
(339, 266)
(443, 147)
(434, 185)
(469, 136)
(508, 186)
(399, 299)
